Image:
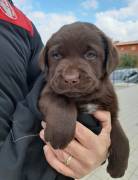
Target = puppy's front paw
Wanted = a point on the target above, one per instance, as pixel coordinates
(59, 138)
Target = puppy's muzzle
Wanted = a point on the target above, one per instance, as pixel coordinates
(72, 78)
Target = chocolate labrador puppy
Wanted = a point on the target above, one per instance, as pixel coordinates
(78, 60)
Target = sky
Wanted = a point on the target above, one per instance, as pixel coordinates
(117, 18)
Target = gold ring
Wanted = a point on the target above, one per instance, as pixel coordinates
(68, 160)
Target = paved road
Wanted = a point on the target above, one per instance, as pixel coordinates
(128, 101)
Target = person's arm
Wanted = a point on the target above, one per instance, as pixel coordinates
(85, 153)
(36, 46)
(21, 151)
(21, 155)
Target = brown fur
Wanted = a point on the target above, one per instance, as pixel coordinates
(79, 59)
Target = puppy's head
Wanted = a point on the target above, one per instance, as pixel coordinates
(79, 56)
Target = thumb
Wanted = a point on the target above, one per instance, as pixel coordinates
(104, 117)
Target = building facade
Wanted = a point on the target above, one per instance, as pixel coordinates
(130, 47)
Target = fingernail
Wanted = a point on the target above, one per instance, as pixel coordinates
(45, 148)
(41, 134)
(43, 124)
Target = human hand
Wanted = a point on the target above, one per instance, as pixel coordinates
(84, 153)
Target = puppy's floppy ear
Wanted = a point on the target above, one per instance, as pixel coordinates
(43, 59)
(111, 55)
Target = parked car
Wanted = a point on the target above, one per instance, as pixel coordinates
(128, 75)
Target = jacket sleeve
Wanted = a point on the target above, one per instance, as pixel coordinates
(21, 150)
(21, 155)
(33, 66)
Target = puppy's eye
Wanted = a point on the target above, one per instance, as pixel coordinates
(90, 55)
(56, 55)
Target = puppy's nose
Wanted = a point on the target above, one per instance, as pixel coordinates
(72, 79)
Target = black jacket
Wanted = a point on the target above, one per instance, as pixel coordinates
(21, 150)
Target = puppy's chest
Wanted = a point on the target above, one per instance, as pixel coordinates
(88, 108)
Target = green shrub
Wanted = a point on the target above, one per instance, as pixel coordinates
(128, 61)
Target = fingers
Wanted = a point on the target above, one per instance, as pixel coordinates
(86, 137)
(104, 118)
(41, 134)
(88, 156)
(74, 148)
(90, 140)
(77, 150)
(56, 164)
(87, 150)
(83, 135)
(63, 156)
(43, 124)
(57, 159)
